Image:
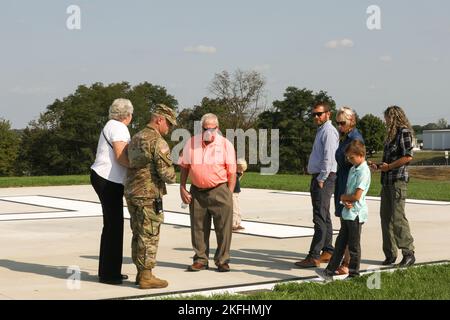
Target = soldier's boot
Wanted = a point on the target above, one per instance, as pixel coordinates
(149, 281)
(138, 277)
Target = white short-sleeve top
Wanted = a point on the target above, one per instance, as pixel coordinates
(106, 165)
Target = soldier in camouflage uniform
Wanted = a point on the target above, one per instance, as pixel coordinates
(150, 169)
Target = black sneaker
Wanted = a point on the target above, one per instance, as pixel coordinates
(327, 275)
(389, 261)
(407, 261)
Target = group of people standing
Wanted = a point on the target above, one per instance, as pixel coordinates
(139, 168)
(338, 165)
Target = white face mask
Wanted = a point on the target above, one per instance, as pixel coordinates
(209, 135)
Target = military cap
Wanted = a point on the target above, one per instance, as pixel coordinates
(168, 113)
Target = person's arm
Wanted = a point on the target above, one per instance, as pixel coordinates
(396, 164)
(330, 145)
(230, 164)
(120, 149)
(231, 181)
(185, 195)
(352, 197)
(164, 164)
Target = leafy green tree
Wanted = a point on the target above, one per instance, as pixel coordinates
(430, 126)
(9, 146)
(64, 138)
(373, 131)
(187, 117)
(292, 116)
(442, 123)
(418, 129)
(241, 94)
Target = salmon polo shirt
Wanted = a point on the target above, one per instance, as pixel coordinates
(209, 165)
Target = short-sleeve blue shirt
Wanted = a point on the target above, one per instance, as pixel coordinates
(358, 178)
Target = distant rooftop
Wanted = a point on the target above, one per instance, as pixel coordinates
(439, 130)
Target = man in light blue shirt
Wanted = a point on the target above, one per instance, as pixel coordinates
(322, 166)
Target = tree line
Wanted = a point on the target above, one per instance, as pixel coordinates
(63, 140)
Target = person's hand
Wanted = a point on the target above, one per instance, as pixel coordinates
(320, 184)
(373, 166)
(348, 204)
(384, 167)
(186, 197)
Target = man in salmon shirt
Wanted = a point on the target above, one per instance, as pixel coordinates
(209, 160)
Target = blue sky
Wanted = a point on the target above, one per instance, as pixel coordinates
(407, 62)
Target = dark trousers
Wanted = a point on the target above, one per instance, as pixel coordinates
(111, 244)
(349, 235)
(216, 203)
(323, 229)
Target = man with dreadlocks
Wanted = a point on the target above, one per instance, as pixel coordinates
(394, 178)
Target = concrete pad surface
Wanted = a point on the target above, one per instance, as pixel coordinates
(39, 257)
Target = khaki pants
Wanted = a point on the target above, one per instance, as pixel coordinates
(237, 217)
(394, 225)
(216, 203)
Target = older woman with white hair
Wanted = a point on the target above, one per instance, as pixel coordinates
(107, 177)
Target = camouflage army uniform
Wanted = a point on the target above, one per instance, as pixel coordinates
(150, 169)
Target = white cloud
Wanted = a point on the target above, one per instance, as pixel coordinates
(333, 44)
(201, 49)
(339, 43)
(347, 43)
(262, 67)
(386, 59)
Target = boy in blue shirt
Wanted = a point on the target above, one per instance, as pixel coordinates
(355, 211)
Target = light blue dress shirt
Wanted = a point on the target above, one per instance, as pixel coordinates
(322, 160)
(358, 178)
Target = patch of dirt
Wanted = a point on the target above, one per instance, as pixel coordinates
(437, 173)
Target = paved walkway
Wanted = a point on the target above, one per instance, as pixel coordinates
(45, 235)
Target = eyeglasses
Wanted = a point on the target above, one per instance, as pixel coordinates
(317, 114)
(341, 123)
(210, 129)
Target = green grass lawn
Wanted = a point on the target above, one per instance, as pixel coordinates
(420, 158)
(9, 182)
(425, 282)
(417, 188)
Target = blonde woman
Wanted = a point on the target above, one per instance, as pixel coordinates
(394, 179)
(346, 123)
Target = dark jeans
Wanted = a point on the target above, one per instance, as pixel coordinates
(350, 234)
(111, 245)
(323, 229)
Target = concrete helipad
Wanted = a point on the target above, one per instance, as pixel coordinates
(48, 233)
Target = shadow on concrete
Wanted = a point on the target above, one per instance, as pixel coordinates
(60, 272)
(128, 260)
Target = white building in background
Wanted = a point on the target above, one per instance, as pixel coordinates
(436, 139)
